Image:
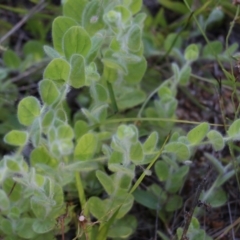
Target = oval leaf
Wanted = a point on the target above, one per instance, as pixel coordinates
(151, 142)
(216, 140)
(180, 150)
(41, 226)
(77, 75)
(162, 170)
(48, 91)
(76, 41)
(234, 130)
(59, 28)
(197, 134)
(16, 138)
(86, 147)
(28, 109)
(136, 153)
(106, 181)
(4, 201)
(57, 69)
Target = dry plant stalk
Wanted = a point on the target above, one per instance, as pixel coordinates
(188, 215)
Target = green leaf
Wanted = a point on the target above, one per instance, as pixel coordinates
(48, 91)
(195, 223)
(176, 179)
(41, 226)
(80, 128)
(191, 52)
(98, 113)
(17, 194)
(103, 230)
(231, 50)
(146, 198)
(36, 131)
(13, 165)
(136, 153)
(120, 231)
(216, 15)
(211, 49)
(39, 210)
(216, 139)
(11, 59)
(171, 39)
(135, 6)
(141, 17)
(14, 213)
(35, 49)
(134, 38)
(4, 206)
(130, 99)
(97, 41)
(76, 41)
(92, 17)
(6, 227)
(99, 93)
(57, 69)
(106, 181)
(136, 71)
(185, 74)
(165, 91)
(77, 76)
(65, 132)
(125, 13)
(125, 132)
(40, 155)
(234, 130)
(28, 110)
(92, 74)
(175, 6)
(85, 147)
(215, 162)
(97, 207)
(197, 134)
(110, 73)
(162, 170)
(24, 228)
(176, 72)
(16, 138)
(62, 147)
(52, 53)
(174, 203)
(59, 28)
(112, 62)
(179, 150)
(150, 143)
(74, 9)
(47, 120)
(217, 197)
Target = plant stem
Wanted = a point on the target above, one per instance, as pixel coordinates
(81, 194)
(189, 214)
(112, 97)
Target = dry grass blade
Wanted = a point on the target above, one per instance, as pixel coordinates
(188, 215)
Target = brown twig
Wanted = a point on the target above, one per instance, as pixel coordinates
(188, 215)
(35, 9)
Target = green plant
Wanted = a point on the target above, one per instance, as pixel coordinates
(104, 26)
(99, 49)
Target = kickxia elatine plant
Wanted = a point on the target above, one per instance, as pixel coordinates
(97, 46)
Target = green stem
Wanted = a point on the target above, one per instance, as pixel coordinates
(81, 194)
(137, 183)
(112, 97)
